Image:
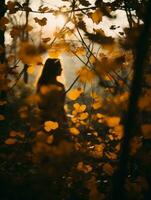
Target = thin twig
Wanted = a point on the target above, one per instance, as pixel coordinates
(72, 84)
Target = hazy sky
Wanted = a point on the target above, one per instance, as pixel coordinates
(70, 63)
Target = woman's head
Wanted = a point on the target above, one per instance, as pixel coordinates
(52, 69)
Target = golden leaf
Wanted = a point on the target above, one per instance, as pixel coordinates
(17, 133)
(86, 76)
(28, 28)
(13, 133)
(80, 51)
(99, 115)
(54, 53)
(96, 16)
(145, 101)
(98, 151)
(31, 69)
(112, 121)
(111, 155)
(50, 139)
(23, 112)
(2, 117)
(146, 130)
(74, 131)
(29, 54)
(108, 169)
(10, 141)
(118, 132)
(135, 144)
(50, 125)
(118, 147)
(79, 107)
(96, 105)
(2, 103)
(84, 168)
(83, 116)
(21, 134)
(92, 59)
(74, 93)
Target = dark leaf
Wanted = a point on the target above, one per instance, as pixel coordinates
(85, 3)
(98, 38)
(82, 25)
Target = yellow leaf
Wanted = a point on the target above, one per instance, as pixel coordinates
(108, 169)
(23, 112)
(29, 28)
(112, 121)
(83, 116)
(92, 59)
(10, 141)
(13, 134)
(99, 115)
(50, 139)
(54, 53)
(96, 105)
(16, 133)
(96, 16)
(118, 132)
(84, 168)
(66, 108)
(80, 51)
(79, 108)
(2, 117)
(50, 125)
(145, 101)
(21, 134)
(74, 131)
(111, 155)
(146, 130)
(86, 76)
(75, 93)
(98, 151)
(135, 144)
(118, 147)
(29, 54)
(3, 103)
(31, 69)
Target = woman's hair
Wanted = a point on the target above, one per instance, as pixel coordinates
(51, 69)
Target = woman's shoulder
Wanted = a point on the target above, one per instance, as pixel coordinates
(59, 84)
(45, 89)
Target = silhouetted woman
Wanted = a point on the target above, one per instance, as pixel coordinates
(51, 93)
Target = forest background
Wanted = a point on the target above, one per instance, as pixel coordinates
(108, 100)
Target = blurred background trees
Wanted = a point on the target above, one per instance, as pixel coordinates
(108, 98)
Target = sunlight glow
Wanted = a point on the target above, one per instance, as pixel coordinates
(56, 21)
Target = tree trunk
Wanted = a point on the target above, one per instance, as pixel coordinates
(131, 118)
(2, 41)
